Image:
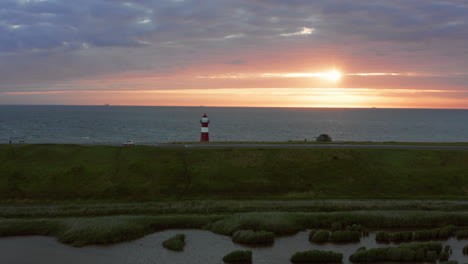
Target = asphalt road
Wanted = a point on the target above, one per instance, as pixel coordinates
(309, 146)
(255, 202)
(267, 145)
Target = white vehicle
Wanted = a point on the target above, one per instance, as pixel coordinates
(129, 143)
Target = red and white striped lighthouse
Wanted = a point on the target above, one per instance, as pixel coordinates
(204, 129)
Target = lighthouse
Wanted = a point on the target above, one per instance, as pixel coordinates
(204, 129)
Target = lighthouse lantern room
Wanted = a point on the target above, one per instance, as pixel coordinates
(204, 129)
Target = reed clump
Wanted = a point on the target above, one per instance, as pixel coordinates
(338, 236)
(253, 237)
(278, 223)
(238, 256)
(100, 230)
(345, 236)
(396, 237)
(465, 250)
(339, 226)
(427, 251)
(359, 228)
(462, 234)
(176, 243)
(435, 233)
(420, 235)
(445, 254)
(221, 206)
(82, 231)
(319, 256)
(319, 236)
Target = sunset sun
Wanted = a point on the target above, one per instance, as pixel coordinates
(332, 75)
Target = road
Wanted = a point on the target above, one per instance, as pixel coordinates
(279, 145)
(309, 146)
(253, 202)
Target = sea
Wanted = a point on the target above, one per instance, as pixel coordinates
(155, 124)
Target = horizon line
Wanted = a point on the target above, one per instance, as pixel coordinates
(313, 107)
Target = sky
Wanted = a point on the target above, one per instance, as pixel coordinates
(255, 53)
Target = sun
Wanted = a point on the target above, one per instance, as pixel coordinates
(333, 75)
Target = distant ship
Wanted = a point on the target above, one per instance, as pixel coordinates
(106, 105)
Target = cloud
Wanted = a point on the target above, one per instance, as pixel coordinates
(302, 32)
(53, 40)
(236, 62)
(53, 24)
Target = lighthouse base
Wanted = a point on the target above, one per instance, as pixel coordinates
(204, 137)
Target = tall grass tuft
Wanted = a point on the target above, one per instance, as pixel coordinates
(311, 234)
(100, 230)
(82, 231)
(278, 223)
(448, 249)
(221, 206)
(462, 234)
(359, 228)
(428, 251)
(337, 226)
(465, 250)
(345, 236)
(176, 243)
(253, 237)
(319, 256)
(383, 236)
(444, 256)
(396, 237)
(435, 233)
(320, 236)
(238, 256)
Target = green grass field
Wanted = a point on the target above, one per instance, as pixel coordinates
(142, 173)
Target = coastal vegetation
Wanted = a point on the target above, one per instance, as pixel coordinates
(238, 256)
(80, 194)
(345, 236)
(80, 231)
(394, 237)
(45, 173)
(316, 256)
(322, 236)
(100, 230)
(14, 209)
(253, 237)
(419, 235)
(461, 234)
(436, 233)
(426, 251)
(319, 236)
(176, 243)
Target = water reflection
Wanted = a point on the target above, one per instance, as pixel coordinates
(203, 247)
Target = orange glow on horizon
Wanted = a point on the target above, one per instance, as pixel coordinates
(314, 87)
(265, 97)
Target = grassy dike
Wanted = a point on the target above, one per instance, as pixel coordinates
(142, 173)
(204, 188)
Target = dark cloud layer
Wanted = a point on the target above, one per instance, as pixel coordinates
(50, 24)
(105, 36)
